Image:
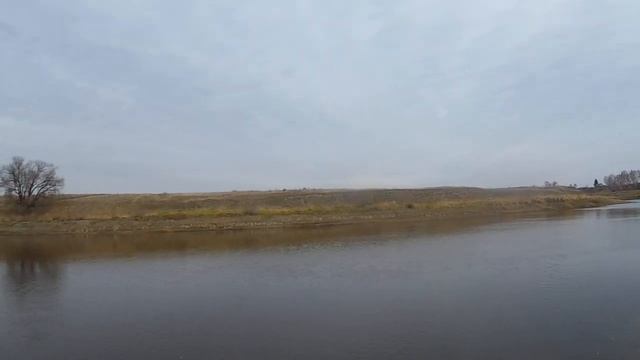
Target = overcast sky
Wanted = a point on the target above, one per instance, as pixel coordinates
(212, 95)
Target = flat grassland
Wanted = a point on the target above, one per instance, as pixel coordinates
(276, 209)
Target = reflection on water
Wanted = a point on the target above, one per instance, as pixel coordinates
(31, 284)
(616, 212)
(556, 286)
(29, 265)
(76, 247)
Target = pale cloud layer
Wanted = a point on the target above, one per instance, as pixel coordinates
(153, 96)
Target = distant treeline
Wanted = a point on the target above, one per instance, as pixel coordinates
(623, 180)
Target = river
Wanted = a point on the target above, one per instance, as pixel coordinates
(542, 287)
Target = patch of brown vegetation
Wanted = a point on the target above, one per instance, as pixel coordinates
(180, 212)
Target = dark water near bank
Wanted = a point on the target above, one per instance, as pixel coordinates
(565, 287)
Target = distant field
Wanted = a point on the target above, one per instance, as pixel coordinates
(268, 209)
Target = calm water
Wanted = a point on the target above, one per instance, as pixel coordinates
(564, 287)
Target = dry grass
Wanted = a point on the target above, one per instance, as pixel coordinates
(279, 208)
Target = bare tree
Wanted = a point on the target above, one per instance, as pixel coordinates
(29, 181)
(550, 184)
(626, 179)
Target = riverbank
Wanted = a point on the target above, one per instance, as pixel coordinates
(281, 209)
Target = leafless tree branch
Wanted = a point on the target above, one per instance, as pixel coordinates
(29, 181)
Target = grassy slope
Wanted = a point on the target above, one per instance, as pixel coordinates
(181, 212)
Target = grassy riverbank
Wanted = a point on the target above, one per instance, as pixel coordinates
(275, 209)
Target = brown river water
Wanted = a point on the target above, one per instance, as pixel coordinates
(545, 287)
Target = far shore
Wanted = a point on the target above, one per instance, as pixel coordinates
(77, 214)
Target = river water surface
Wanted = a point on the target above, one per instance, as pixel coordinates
(555, 287)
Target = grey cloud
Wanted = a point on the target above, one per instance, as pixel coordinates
(8, 30)
(203, 96)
